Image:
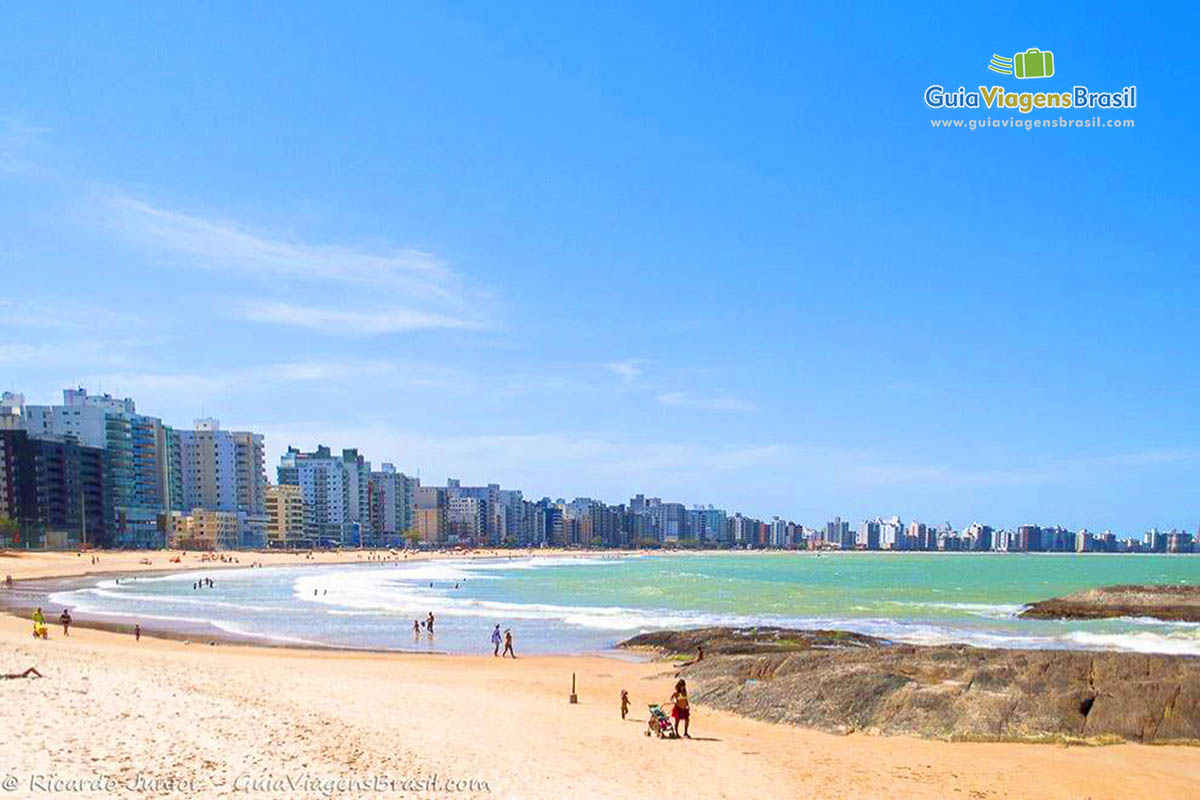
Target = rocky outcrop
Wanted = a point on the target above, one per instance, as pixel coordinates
(844, 682)
(1171, 603)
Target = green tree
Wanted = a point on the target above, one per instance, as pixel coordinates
(9, 530)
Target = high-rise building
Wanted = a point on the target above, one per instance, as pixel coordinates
(390, 497)
(490, 526)
(55, 490)
(325, 488)
(707, 524)
(891, 534)
(868, 534)
(285, 517)
(429, 504)
(837, 534)
(139, 458)
(224, 471)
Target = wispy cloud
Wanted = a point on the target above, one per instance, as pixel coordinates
(369, 323)
(19, 142)
(628, 370)
(708, 403)
(557, 463)
(209, 382)
(393, 289)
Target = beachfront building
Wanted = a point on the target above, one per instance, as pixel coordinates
(891, 534)
(140, 459)
(204, 529)
(868, 535)
(358, 488)
(490, 527)
(55, 490)
(464, 520)
(223, 470)
(706, 524)
(744, 531)
(390, 498)
(325, 487)
(285, 517)
(429, 508)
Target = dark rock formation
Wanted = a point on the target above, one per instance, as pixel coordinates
(843, 682)
(1171, 603)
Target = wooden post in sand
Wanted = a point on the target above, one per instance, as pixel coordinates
(574, 697)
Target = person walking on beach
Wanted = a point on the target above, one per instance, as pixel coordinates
(65, 620)
(508, 651)
(496, 641)
(624, 703)
(137, 632)
(679, 708)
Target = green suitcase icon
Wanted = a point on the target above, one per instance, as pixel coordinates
(1034, 63)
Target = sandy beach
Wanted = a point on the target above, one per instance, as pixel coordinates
(115, 717)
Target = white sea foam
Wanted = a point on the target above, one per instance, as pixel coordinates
(384, 592)
(1183, 643)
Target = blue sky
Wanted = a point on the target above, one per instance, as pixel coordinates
(713, 254)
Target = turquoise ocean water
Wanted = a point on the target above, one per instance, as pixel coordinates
(590, 603)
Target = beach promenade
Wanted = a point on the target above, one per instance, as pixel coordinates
(236, 721)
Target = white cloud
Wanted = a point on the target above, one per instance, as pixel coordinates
(707, 403)
(628, 370)
(202, 383)
(392, 289)
(369, 323)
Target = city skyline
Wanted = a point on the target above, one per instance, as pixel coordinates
(149, 477)
(603, 250)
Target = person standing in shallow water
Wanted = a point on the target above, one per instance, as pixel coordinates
(429, 622)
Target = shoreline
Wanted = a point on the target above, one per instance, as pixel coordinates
(159, 709)
(59, 572)
(163, 709)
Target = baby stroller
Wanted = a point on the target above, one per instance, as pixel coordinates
(660, 724)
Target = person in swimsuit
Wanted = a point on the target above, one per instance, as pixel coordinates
(508, 651)
(429, 622)
(624, 703)
(679, 708)
(64, 619)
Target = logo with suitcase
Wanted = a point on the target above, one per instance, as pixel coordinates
(1033, 63)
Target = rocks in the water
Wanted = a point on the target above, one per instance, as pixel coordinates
(843, 682)
(1171, 603)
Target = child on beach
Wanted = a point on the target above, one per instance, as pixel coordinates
(624, 704)
(39, 625)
